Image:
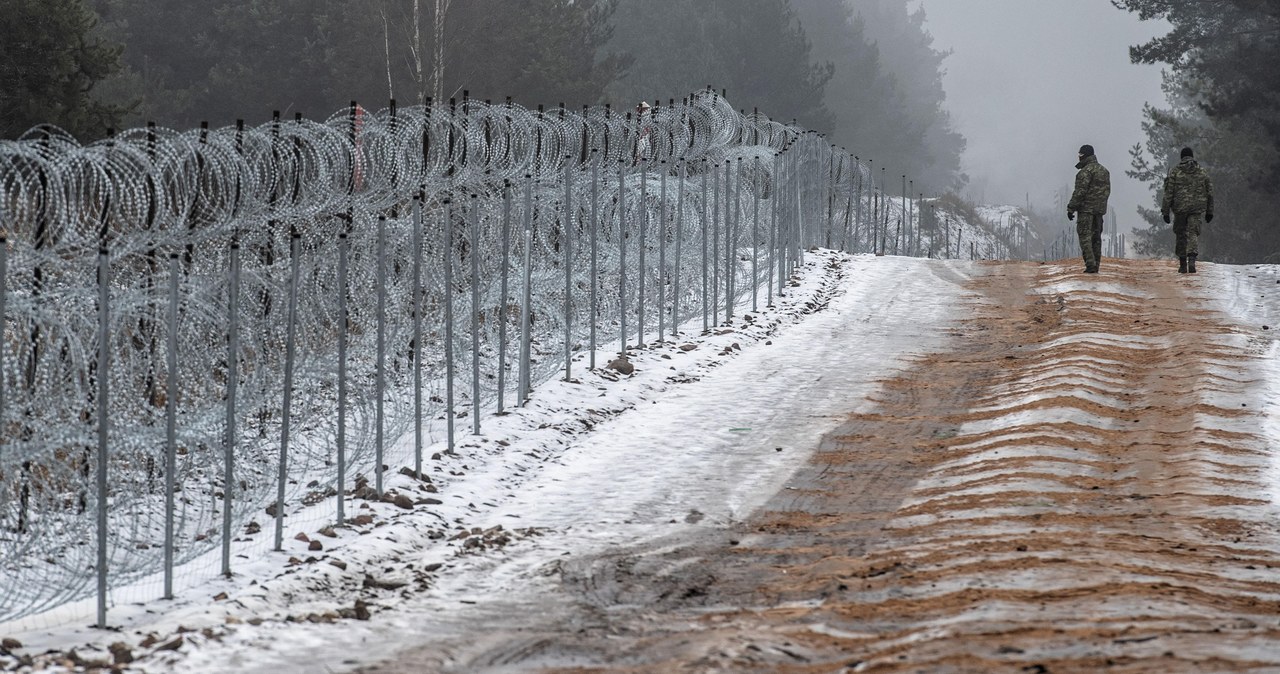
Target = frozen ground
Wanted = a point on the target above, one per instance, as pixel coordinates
(696, 442)
(692, 439)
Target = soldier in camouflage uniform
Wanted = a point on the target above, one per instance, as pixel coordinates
(1188, 192)
(1089, 199)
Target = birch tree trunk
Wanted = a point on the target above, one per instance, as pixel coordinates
(417, 51)
(386, 44)
(437, 65)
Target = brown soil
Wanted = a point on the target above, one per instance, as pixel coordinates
(1074, 487)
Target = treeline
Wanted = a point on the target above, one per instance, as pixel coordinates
(863, 71)
(1222, 99)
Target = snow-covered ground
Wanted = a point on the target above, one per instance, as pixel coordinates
(693, 439)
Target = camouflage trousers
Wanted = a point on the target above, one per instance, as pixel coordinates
(1089, 229)
(1186, 232)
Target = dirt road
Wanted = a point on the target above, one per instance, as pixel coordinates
(1080, 484)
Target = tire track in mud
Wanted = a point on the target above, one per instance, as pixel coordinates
(1077, 486)
(1105, 506)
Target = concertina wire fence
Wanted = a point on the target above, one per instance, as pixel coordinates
(202, 325)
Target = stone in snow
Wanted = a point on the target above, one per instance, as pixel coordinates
(172, 645)
(121, 653)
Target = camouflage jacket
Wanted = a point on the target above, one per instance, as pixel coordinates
(1093, 187)
(1187, 189)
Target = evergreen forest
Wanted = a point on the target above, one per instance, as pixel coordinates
(864, 72)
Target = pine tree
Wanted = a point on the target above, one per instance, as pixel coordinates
(907, 53)
(551, 51)
(49, 65)
(1222, 91)
(229, 59)
(755, 49)
(871, 118)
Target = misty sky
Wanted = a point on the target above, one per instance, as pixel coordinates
(1031, 80)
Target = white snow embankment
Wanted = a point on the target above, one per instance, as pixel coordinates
(692, 439)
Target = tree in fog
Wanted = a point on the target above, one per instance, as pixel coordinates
(871, 117)
(906, 52)
(550, 51)
(50, 63)
(224, 59)
(756, 49)
(1222, 94)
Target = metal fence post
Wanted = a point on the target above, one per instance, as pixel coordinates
(525, 317)
(793, 210)
(643, 271)
(847, 231)
(706, 227)
(675, 290)
(104, 389)
(170, 423)
(566, 235)
(857, 213)
(787, 230)
(233, 384)
(4, 296)
(733, 194)
(380, 383)
(773, 230)
(474, 218)
(418, 207)
(882, 222)
(341, 441)
(946, 234)
(784, 233)
(829, 191)
(502, 308)
(286, 407)
(902, 216)
(662, 252)
(715, 245)
(447, 251)
(595, 252)
(912, 237)
(622, 256)
(525, 313)
(755, 236)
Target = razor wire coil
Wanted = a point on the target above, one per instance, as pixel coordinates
(212, 202)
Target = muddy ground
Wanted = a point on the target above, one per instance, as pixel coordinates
(1078, 484)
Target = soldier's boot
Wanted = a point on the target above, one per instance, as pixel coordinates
(1182, 264)
(1191, 264)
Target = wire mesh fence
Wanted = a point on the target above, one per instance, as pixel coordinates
(201, 327)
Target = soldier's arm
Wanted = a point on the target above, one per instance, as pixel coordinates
(1078, 194)
(1166, 202)
(1208, 189)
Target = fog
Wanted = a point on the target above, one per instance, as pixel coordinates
(1031, 80)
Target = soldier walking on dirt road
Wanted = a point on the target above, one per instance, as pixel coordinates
(1089, 199)
(1188, 192)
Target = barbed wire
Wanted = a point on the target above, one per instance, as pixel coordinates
(287, 300)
